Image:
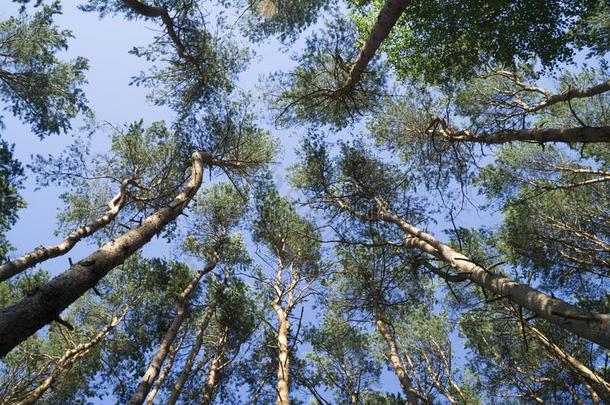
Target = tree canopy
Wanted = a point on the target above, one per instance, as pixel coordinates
(413, 206)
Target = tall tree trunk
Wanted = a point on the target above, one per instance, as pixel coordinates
(387, 18)
(283, 382)
(23, 318)
(594, 327)
(177, 390)
(170, 335)
(598, 384)
(215, 366)
(69, 357)
(399, 369)
(43, 253)
(150, 399)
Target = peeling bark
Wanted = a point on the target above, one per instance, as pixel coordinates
(283, 382)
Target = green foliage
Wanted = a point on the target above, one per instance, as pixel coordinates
(285, 19)
(555, 223)
(314, 91)
(11, 179)
(288, 236)
(341, 358)
(39, 88)
(448, 40)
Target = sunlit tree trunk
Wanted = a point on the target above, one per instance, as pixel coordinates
(150, 400)
(23, 318)
(283, 381)
(594, 327)
(387, 18)
(188, 365)
(395, 360)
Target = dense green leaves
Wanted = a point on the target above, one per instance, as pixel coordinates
(37, 86)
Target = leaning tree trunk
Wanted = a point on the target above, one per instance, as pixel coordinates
(598, 384)
(395, 360)
(186, 370)
(283, 380)
(69, 358)
(541, 135)
(387, 18)
(23, 318)
(170, 335)
(594, 327)
(171, 357)
(43, 253)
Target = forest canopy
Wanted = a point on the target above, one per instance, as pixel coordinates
(337, 202)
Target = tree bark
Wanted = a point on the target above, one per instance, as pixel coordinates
(283, 382)
(170, 335)
(177, 390)
(399, 369)
(23, 318)
(541, 135)
(69, 357)
(150, 400)
(42, 253)
(594, 327)
(387, 18)
(598, 384)
(212, 380)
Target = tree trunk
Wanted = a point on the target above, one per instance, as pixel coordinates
(598, 384)
(23, 318)
(43, 253)
(594, 327)
(192, 356)
(150, 400)
(399, 369)
(569, 135)
(170, 335)
(69, 358)
(387, 18)
(283, 383)
(212, 380)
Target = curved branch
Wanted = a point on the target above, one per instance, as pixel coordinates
(43, 253)
(155, 12)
